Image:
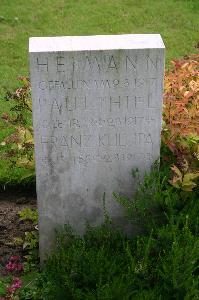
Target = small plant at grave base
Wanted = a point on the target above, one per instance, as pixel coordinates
(184, 179)
(31, 245)
(18, 146)
(31, 239)
(181, 119)
(14, 265)
(10, 285)
(160, 263)
(15, 285)
(10, 289)
(29, 214)
(2, 290)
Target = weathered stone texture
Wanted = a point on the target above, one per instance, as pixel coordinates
(97, 106)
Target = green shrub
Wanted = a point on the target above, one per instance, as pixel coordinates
(16, 149)
(160, 263)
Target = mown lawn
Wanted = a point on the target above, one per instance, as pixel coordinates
(176, 20)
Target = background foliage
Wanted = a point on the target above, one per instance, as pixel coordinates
(181, 120)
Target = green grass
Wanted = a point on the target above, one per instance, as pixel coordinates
(177, 22)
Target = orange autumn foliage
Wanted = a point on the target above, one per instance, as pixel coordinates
(181, 114)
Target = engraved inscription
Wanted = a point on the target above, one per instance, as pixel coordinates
(105, 83)
(99, 157)
(86, 104)
(110, 140)
(132, 121)
(102, 64)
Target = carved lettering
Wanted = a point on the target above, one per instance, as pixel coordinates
(64, 141)
(131, 63)
(151, 63)
(122, 111)
(112, 64)
(83, 84)
(76, 103)
(114, 102)
(42, 65)
(56, 107)
(91, 64)
(76, 140)
(102, 83)
(60, 64)
(74, 123)
(139, 102)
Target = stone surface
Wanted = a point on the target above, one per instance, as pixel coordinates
(97, 105)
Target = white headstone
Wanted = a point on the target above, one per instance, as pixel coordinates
(97, 108)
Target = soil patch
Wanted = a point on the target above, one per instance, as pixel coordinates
(11, 228)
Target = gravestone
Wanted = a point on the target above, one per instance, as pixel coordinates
(97, 107)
